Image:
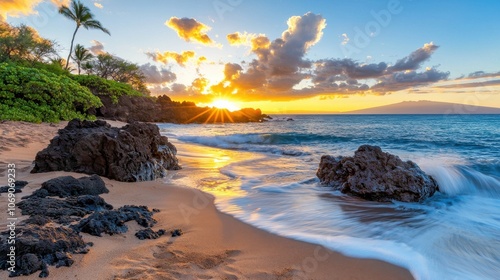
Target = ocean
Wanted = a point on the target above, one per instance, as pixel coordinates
(264, 175)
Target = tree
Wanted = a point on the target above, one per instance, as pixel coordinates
(83, 17)
(22, 43)
(114, 68)
(81, 55)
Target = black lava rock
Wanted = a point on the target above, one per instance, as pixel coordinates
(113, 221)
(37, 247)
(68, 186)
(18, 185)
(148, 233)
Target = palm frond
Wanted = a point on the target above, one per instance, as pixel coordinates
(94, 24)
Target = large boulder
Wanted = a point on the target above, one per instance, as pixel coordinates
(135, 152)
(375, 175)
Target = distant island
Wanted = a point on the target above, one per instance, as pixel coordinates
(424, 107)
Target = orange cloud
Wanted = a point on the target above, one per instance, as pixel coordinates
(60, 3)
(255, 41)
(17, 8)
(166, 57)
(190, 29)
(238, 38)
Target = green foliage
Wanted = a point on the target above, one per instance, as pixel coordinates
(22, 43)
(29, 94)
(114, 68)
(102, 87)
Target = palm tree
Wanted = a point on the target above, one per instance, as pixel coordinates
(81, 55)
(83, 17)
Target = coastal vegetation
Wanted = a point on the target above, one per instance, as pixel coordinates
(36, 95)
(37, 85)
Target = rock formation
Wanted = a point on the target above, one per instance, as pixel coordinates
(375, 175)
(39, 246)
(135, 152)
(52, 232)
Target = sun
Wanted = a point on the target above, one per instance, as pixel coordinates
(224, 104)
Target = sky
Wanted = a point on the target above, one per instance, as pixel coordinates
(293, 56)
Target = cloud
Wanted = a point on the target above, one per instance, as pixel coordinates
(279, 62)
(415, 59)
(155, 75)
(345, 39)
(97, 48)
(166, 57)
(483, 74)
(98, 5)
(248, 39)
(192, 92)
(190, 29)
(280, 70)
(408, 79)
(478, 79)
(17, 8)
(60, 3)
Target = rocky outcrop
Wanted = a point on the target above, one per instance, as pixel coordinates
(149, 233)
(52, 232)
(375, 175)
(18, 186)
(129, 109)
(163, 109)
(63, 211)
(39, 246)
(113, 221)
(135, 152)
(68, 186)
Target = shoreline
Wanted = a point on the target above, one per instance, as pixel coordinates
(214, 244)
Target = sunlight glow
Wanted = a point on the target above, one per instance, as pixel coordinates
(224, 104)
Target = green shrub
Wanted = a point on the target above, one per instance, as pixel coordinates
(29, 94)
(102, 87)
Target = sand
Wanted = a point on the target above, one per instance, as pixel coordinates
(214, 245)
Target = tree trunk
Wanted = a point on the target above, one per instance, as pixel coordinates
(71, 47)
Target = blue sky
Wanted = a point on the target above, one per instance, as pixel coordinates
(466, 32)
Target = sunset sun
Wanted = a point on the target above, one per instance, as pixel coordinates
(224, 104)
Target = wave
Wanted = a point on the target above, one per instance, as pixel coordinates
(460, 180)
(265, 138)
(262, 143)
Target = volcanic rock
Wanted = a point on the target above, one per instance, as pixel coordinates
(375, 175)
(135, 152)
(18, 186)
(149, 233)
(37, 247)
(113, 221)
(68, 186)
(62, 211)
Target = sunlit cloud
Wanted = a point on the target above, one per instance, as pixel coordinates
(98, 5)
(17, 8)
(189, 29)
(97, 48)
(166, 57)
(60, 3)
(237, 38)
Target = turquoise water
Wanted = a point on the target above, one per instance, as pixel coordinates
(264, 174)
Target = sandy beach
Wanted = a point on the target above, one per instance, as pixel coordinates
(214, 245)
